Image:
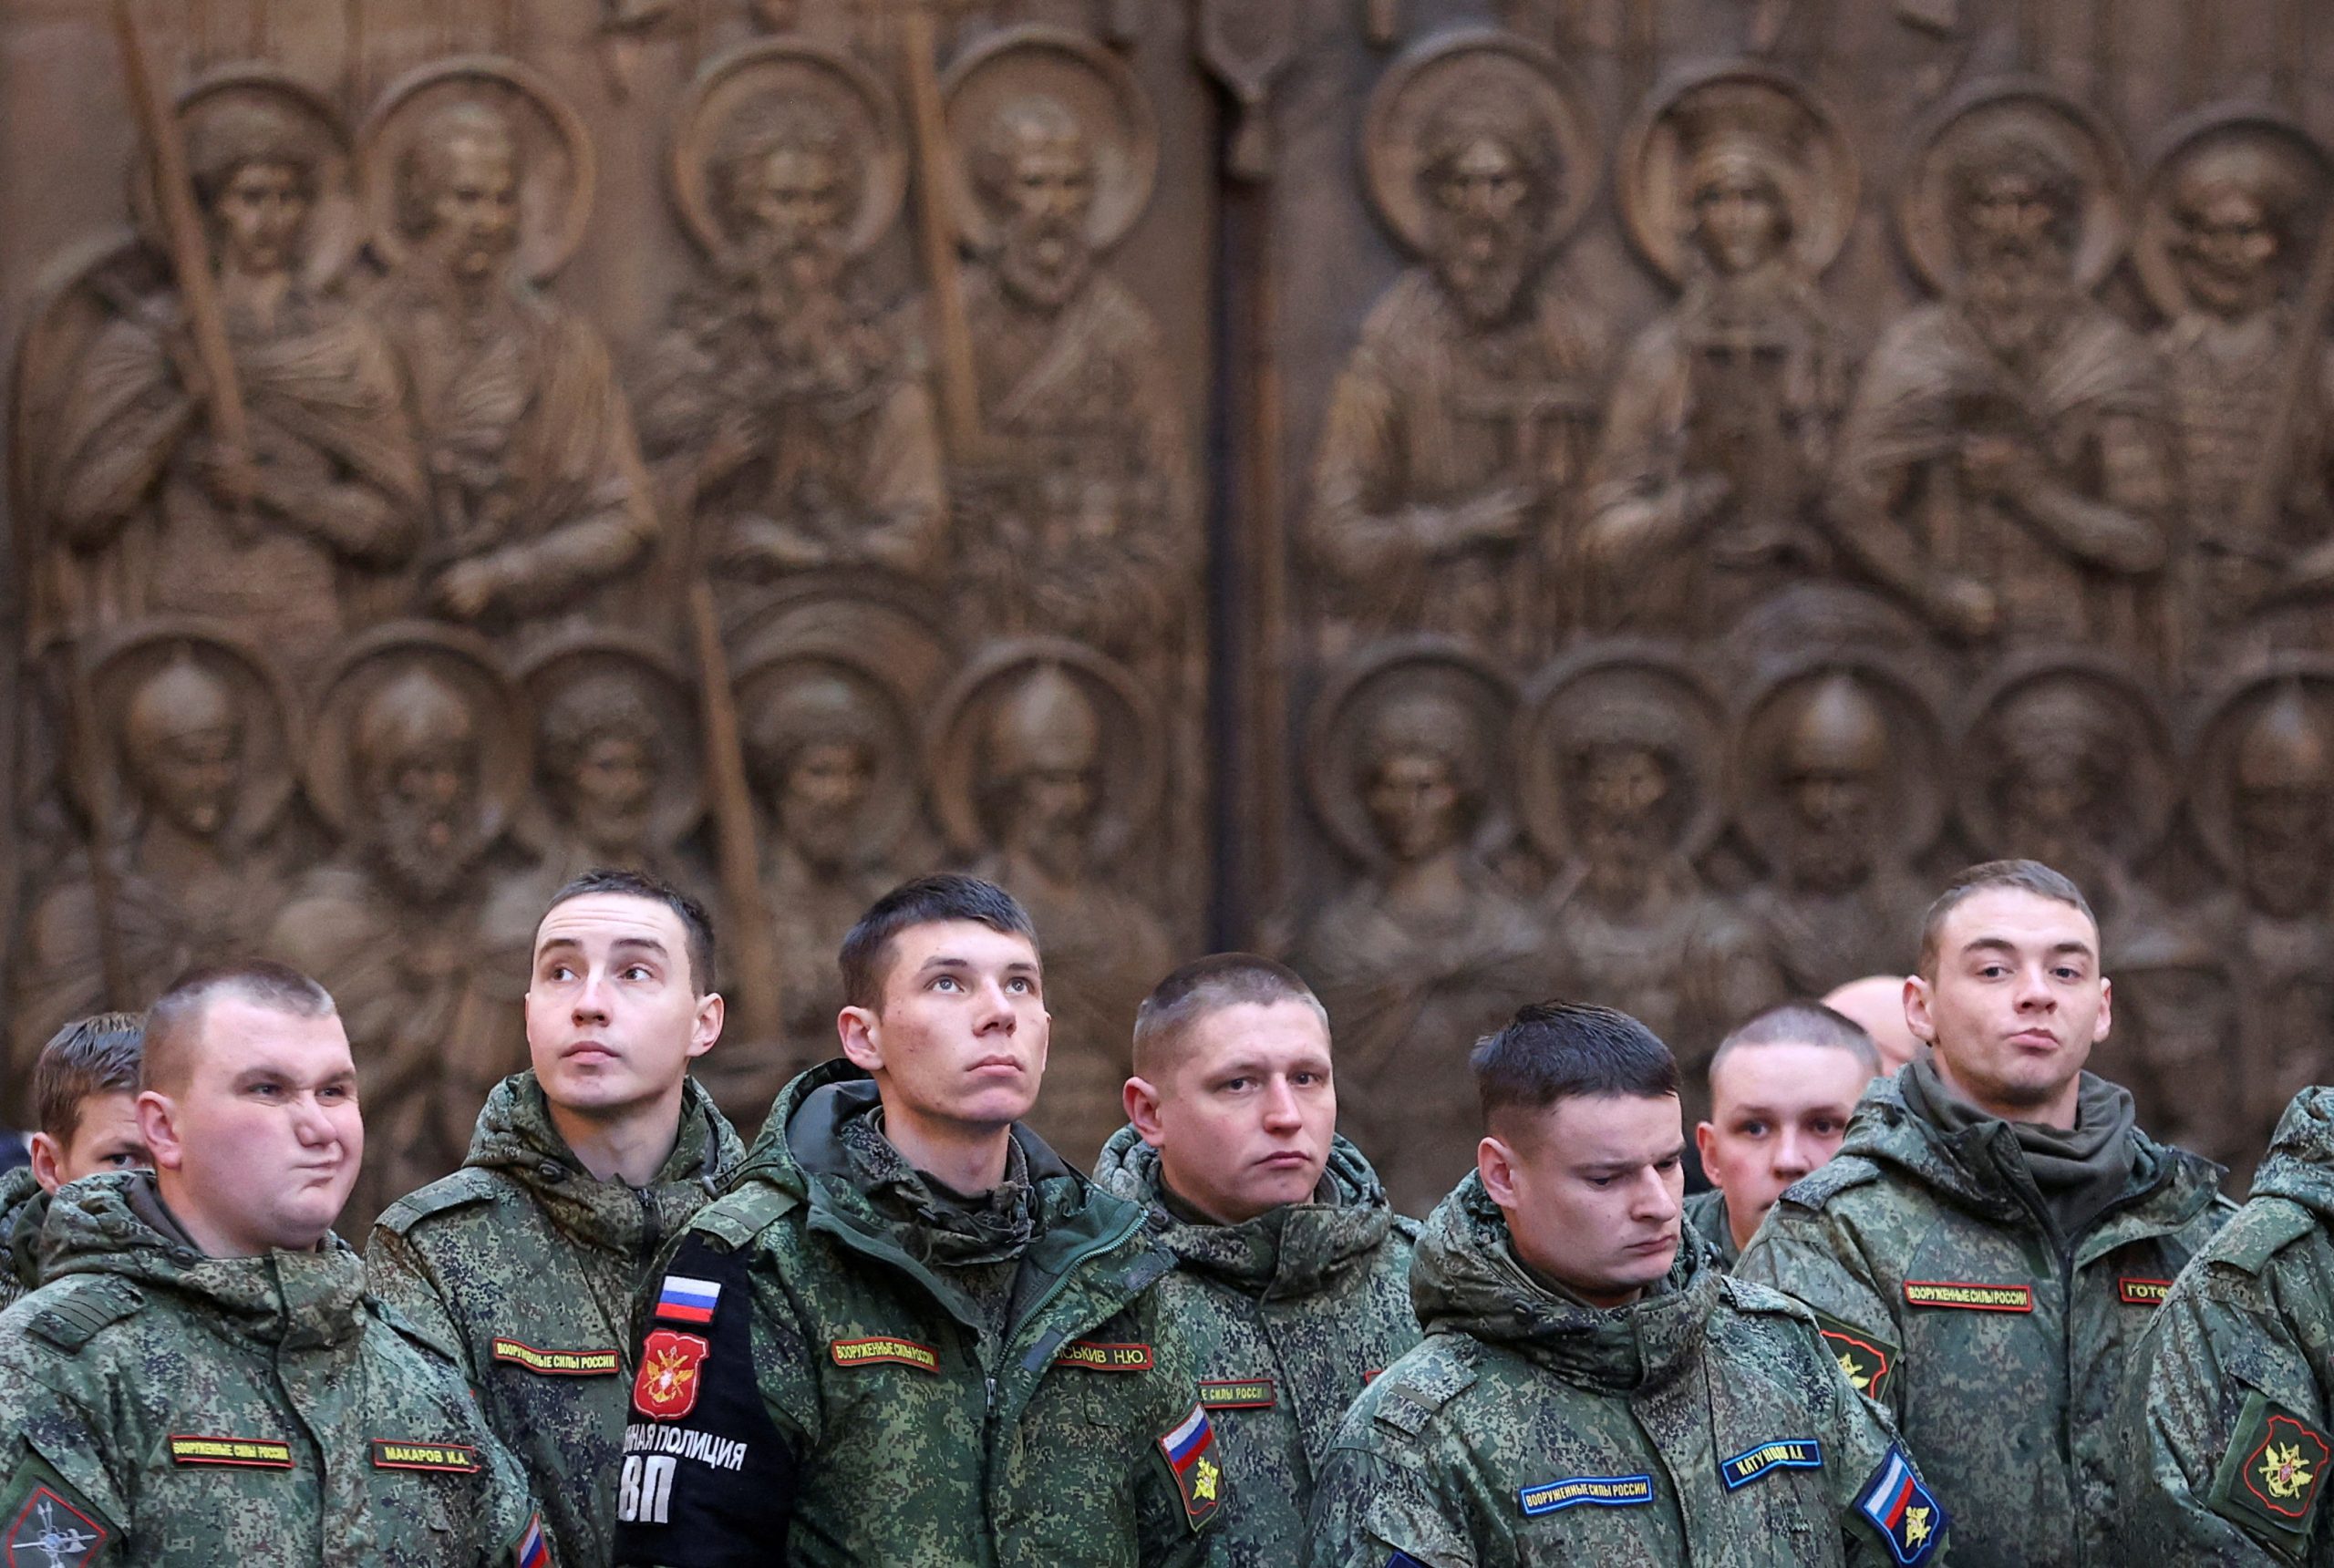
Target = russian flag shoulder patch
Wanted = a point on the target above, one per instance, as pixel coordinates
(1896, 1503)
(685, 1300)
(1189, 1450)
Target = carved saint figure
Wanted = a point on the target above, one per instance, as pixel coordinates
(2238, 221)
(785, 395)
(289, 540)
(1839, 904)
(1041, 787)
(1086, 526)
(403, 929)
(185, 888)
(2062, 758)
(2002, 463)
(540, 503)
(1459, 430)
(1423, 958)
(1721, 419)
(601, 757)
(2178, 1046)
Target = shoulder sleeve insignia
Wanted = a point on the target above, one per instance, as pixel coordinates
(671, 1367)
(2273, 1470)
(533, 1548)
(1866, 1360)
(47, 1531)
(1190, 1448)
(1900, 1507)
(1782, 1453)
(2142, 1292)
(685, 1300)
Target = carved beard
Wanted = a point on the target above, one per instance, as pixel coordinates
(1485, 267)
(402, 849)
(1829, 858)
(826, 838)
(1046, 285)
(2286, 877)
(2019, 296)
(617, 833)
(1620, 849)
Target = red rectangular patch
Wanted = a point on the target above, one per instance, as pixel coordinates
(1970, 1296)
(1098, 1356)
(2142, 1292)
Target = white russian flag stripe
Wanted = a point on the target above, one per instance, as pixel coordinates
(1181, 1439)
(1880, 1499)
(682, 1291)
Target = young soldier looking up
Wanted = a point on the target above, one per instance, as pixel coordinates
(908, 1333)
(1292, 1270)
(85, 1097)
(1996, 1231)
(202, 1377)
(1783, 1087)
(1590, 1392)
(530, 1257)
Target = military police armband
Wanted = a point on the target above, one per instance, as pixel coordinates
(1865, 1359)
(2269, 1479)
(44, 1522)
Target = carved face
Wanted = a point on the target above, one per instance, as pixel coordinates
(425, 800)
(795, 198)
(1625, 803)
(474, 205)
(2051, 803)
(1481, 206)
(2227, 249)
(1049, 192)
(1049, 810)
(191, 778)
(258, 217)
(2282, 830)
(608, 789)
(1738, 218)
(1415, 801)
(825, 786)
(1832, 810)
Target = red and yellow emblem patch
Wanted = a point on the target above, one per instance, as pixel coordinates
(2272, 1473)
(2284, 1468)
(671, 1368)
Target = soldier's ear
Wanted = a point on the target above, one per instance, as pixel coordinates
(2106, 1010)
(1142, 1098)
(157, 1125)
(711, 1013)
(1918, 1019)
(863, 1037)
(1495, 1166)
(48, 1162)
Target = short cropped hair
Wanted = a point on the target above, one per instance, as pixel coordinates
(1555, 1051)
(174, 1022)
(1801, 1024)
(1202, 987)
(866, 955)
(696, 926)
(2026, 876)
(88, 1056)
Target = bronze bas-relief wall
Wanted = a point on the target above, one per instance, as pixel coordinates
(1561, 497)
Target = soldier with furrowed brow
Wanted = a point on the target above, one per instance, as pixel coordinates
(908, 1333)
(1996, 1231)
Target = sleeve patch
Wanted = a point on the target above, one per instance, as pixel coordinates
(1190, 1448)
(47, 1531)
(1782, 1453)
(685, 1300)
(1866, 1360)
(533, 1550)
(2273, 1470)
(1897, 1504)
(671, 1372)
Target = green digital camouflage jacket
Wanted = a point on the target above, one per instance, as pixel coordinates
(1705, 1424)
(1930, 1262)
(1294, 1312)
(1706, 1216)
(24, 1205)
(813, 1390)
(164, 1407)
(2223, 1441)
(532, 1267)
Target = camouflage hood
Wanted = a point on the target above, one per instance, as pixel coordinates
(1466, 1279)
(115, 1224)
(515, 1137)
(2300, 1162)
(23, 1208)
(1296, 1249)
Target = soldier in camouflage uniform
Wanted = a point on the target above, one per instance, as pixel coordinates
(1994, 1234)
(1292, 1270)
(530, 1256)
(202, 1378)
(84, 1095)
(1590, 1392)
(908, 1334)
(2223, 1440)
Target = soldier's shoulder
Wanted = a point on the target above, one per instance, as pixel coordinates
(2260, 1232)
(748, 1217)
(1750, 1298)
(67, 1315)
(1412, 1396)
(1820, 1188)
(467, 1189)
(411, 1337)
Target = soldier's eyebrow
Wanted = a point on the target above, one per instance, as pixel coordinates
(2004, 944)
(640, 945)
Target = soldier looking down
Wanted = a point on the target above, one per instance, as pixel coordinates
(85, 1097)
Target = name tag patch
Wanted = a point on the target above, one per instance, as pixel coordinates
(2142, 1292)
(1238, 1394)
(1598, 1491)
(1970, 1298)
(881, 1349)
(257, 1453)
(1096, 1357)
(556, 1363)
(1901, 1508)
(458, 1458)
(1784, 1453)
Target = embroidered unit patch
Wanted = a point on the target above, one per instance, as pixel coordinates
(50, 1532)
(1190, 1450)
(1970, 1298)
(556, 1363)
(1238, 1394)
(665, 1386)
(1599, 1490)
(2142, 1292)
(1864, 1360)
(257, 1453)
(1910, 1520)
(686, 1300)
(459, 1458)
(1098, 1356)
(1784, 1453)
(882, 1348)
(2273, 1470)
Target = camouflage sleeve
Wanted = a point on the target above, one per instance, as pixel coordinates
(59, 1501)
(510, 1526)
(397, 1272)
(2221, 1441)
(1887, 1515)
(1799, 1252)
(1182, 1490)
(724, 1411)
(1371, 1510)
